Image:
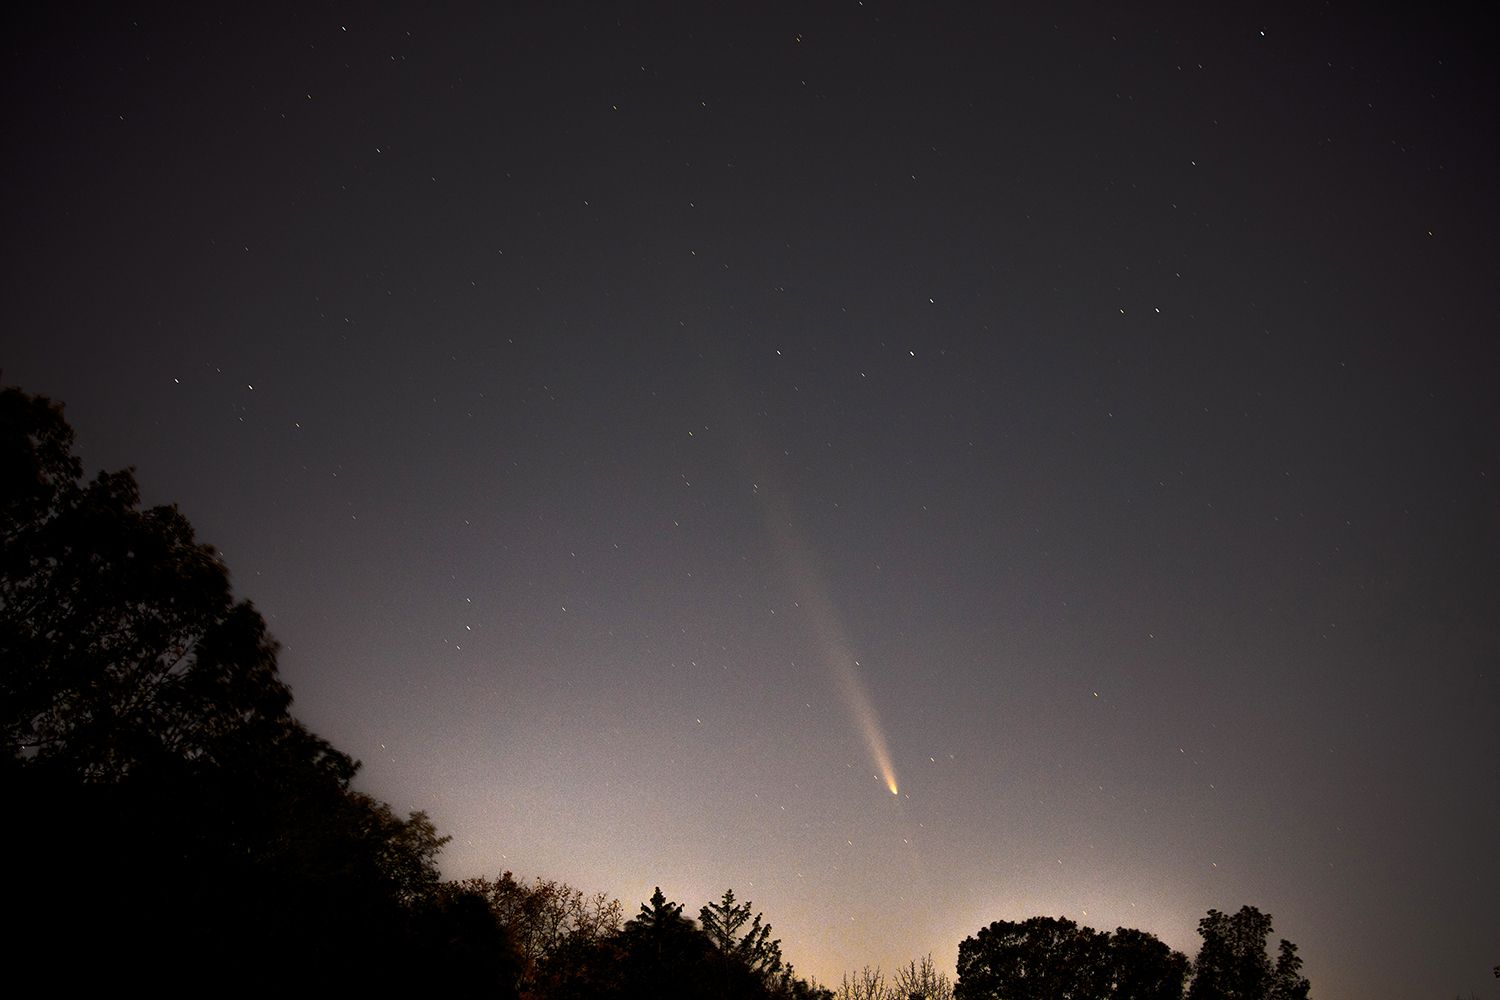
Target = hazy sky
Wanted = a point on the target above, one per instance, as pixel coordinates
(652, 433)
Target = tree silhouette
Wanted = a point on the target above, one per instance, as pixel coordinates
(553, 925)
(1043, 958)
(120, 640)
(662, 955)
(1233, 965)
(916, 980)
(866, 984)
(658, 919)
(754, 949)
(1286, 981)
(1144, 967)
(665, 955)
(159, 783)
(1046, 957)
(921, 981)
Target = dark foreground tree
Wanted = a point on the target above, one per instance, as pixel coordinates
(172, 827)
(1046, 958)
(665, 955)
(1233, 963)
(662, 955)
(553, 926)
(1287, 982)
(741, 940)
(120, 641)
(1144, 967)
(1043, 958)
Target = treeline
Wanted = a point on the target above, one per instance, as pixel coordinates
(172, 827)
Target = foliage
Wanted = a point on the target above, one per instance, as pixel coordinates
(658, 920)
(550, 924)
(1043, 958)
(1046, 957)
(464, 948)
(723, 921)
(1144, 967)
(160, 781)
(663, 955)
(1233, 965)
(796, 988)
(119, 638)
(1287, 982)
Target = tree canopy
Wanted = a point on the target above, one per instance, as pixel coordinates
(1053, 958)
(1233, 963)
(156, 771)
(120, 638)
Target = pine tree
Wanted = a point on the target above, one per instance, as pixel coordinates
(722, 921)
(755, 949)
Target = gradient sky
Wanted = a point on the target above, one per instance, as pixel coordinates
(651, 431)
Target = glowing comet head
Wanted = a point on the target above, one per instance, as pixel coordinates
(828, 632)
(864, 711)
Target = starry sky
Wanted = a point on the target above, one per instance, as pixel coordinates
(654, 432)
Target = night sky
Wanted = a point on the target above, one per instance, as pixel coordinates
(655, 434)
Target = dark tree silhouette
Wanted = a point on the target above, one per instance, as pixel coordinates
(158, 782)
(1043, 958)
(1047, 957)
(466, 949)
(553, 926)
(1144, 967)
(658, 921)
(1233, 964)
(664, 955)
(1287, 982)
(921, 981)
(120, 640)
(740, 938)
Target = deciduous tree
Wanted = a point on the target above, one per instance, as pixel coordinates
(866, 984)
(157, 776)
(921, 981)
(1043, 958)
(1144, 968)
(120, 642)
(1233, 964)
(551, 923)
(1287, 982)
(1047, 957)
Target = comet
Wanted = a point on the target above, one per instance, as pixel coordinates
(857, 700)
(832, 641)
